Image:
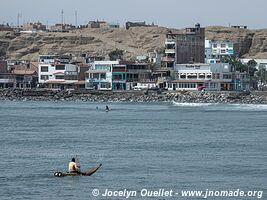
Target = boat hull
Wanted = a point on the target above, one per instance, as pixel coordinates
(86, 173)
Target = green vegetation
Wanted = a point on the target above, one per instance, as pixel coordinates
(116, 54)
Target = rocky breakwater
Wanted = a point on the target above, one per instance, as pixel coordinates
(133, 96)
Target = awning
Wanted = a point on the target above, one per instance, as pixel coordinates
(59, 73)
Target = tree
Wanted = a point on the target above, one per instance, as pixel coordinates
(237, 64)
(252, 67)
(262, 75)
(116, 54)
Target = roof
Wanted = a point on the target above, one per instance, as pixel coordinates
(23, 72)
(189, 81)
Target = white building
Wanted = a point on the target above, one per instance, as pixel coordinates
(198, 76)
(55, 71)
(100, 76)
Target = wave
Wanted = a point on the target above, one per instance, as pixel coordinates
(225, 107)
(193, 104)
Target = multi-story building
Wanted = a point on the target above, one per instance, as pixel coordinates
(215, 51)
(170, 51)
(21, 75)
(57, 71)
(119, 75)
(198, 76)
(100, 76)
(187, 47)
(138, 73)
(190, 46)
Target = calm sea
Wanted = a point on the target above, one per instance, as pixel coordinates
(141, 145)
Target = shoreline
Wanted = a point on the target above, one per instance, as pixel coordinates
(256, 97)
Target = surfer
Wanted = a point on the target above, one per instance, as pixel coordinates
(107, 108)
(74, 167)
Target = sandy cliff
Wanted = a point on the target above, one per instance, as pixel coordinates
(135, 41)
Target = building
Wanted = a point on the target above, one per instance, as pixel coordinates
(138, 24)
(137, 73)
(21, 75)
(240, 27)
(169, 58)
(119, 75)
(57, 72)
(216, 51)
(190, 46)
(34, 27)
(198, 76)
(187, 47)
(5, 27)
(97, 24)
(62, 28)
(100, 76)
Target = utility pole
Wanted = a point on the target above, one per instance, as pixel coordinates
(62, 16)
(76, 18)
(18, 16)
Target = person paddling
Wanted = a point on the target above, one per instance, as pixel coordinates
(74, 167)
(107, 108)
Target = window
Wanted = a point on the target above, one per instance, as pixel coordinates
(105, 85)
(44, 77)
(95, 76)
(44, 69)
(60, 67)
(182, 76)
(103, 76)
(223, 51)
(60, 77)
(214, 45)
(223, 45)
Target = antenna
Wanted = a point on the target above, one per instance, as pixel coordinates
(76, 18)
(62, 16)
(18, 16)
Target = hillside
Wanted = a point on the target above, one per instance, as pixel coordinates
(135, 41)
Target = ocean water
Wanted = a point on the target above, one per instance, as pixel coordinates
(171, 146)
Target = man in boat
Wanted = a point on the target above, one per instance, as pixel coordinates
(74, 167)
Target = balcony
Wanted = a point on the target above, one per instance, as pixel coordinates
(169, 51)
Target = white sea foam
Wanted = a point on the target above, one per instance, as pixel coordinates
(226, 107)
(193, 104)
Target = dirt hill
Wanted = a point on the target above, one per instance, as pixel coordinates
(135, 41)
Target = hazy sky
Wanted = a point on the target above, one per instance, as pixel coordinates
(169, 13)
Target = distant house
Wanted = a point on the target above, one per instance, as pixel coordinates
(239, 27)
(114, 26)
(62, 28)
(5, 27)
(97, 24)
(19, 75)
(139, 24)
(34, 27)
